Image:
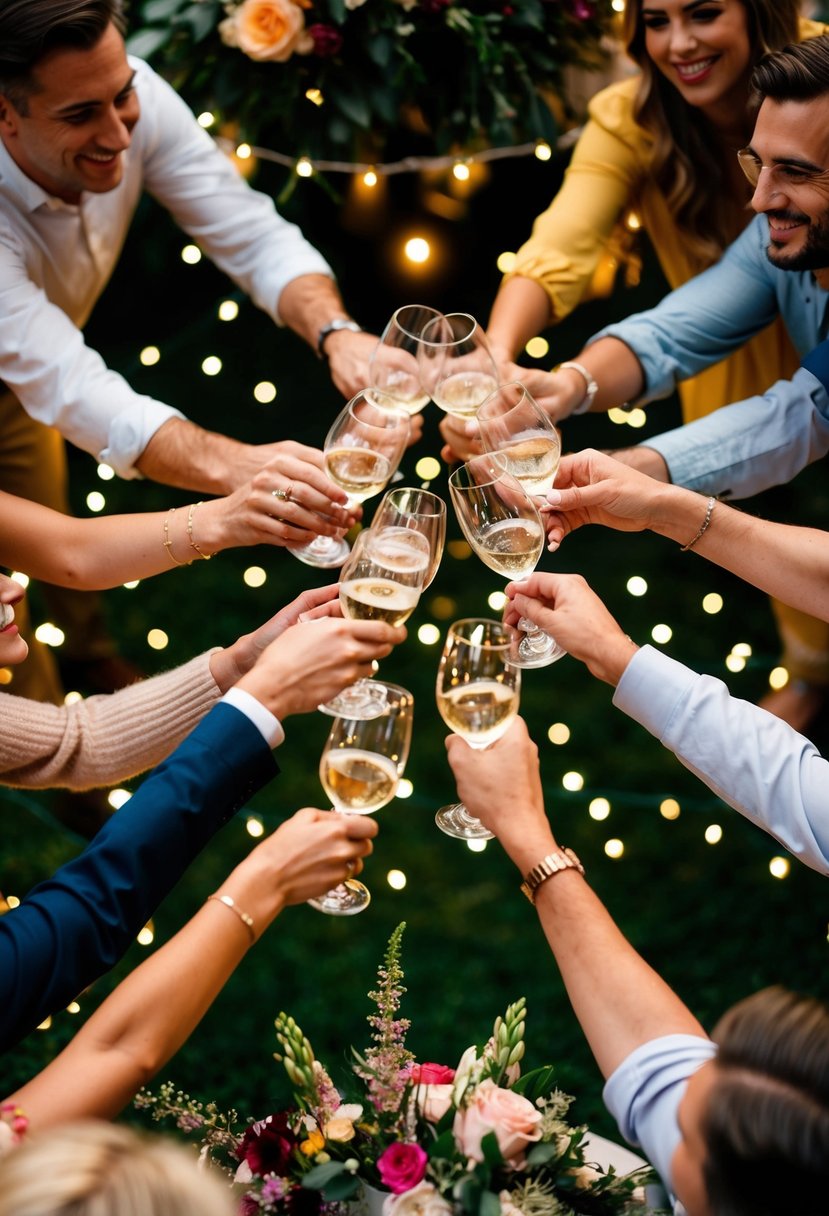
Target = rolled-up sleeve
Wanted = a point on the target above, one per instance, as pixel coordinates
(645, 1091)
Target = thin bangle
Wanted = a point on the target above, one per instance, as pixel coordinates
(230, 902)
(709, 511)
(204, 556)
(168, 544)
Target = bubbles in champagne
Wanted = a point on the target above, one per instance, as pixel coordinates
(510, 546)
(534, 462)
(359, 471)
(480, 711)
(462, 392)
(358, 782)
(377, 599)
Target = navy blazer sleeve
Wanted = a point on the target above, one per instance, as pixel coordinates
(76, 925)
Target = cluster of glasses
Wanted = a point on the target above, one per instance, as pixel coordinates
(425, 355)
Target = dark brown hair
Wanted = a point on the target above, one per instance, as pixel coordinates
(797, 73)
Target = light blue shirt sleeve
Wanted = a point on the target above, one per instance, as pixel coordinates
(706, 319)
(645, 1091)
(754, 761)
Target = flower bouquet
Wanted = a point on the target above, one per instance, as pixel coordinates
(339, 77)
(423, 1139)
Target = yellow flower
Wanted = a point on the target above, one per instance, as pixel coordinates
(313, 1144)
(341, 1130)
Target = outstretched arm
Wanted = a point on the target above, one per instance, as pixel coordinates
(150, 1014)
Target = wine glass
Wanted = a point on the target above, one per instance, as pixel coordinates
(420, 511)
(381, 581)
(393, 367)
(478, 690)
(456, 364)
(503, 526)
(360, 768)
(512, 423)
(361, 452)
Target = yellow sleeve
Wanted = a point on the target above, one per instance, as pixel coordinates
(603, 179)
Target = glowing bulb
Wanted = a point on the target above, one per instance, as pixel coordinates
(778, 678)
(669, 808)
(212, 365)
(254, 576)
(633, 221)
(13, 901)
(314, 96)
(118, 798)
(428, 635)
(265, 392)
(460, 170)
(106, 472)
(459, 549)
(20, 577)
(427, 468)
(405, 789)
(149, 356)
(712, 603)
(157, 639)
(72, 698)
(304, 168)
(396, 880)
(370, 179)
(146, 935)
(637, 586)
(779, 867)
(573, 782)
(599, 809)
(662, 634)
(559, 734)
(735, 662)
(443, 607)
(73, 1007)
(743, 649)
(505, 262)
(417, 249)
(713, 834)
(637, 418)
(537, 348)
(618, 6)
(95, 501)
(614, 848)
(49, 634)
(6, 675)
(254, 827)
(46, 1024)
(618, 416)
(191, 254)
(543, 151)
(228, 310)
(205, 119)
(244, 151)
(476, 845)
(496, 600)
(136, 582)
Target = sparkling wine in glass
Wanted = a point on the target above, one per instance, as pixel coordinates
(360, 768)
(504, 528)
(420, 511)
(381, 581)
(511, 422)
(456, 364)
(394, 368)
(361, 452)
(478, 690)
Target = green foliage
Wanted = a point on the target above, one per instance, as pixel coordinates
(469, 74)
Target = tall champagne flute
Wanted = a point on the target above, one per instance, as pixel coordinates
(360, 768)
(394, 367)
(477, 694)
(456, 364)
(381, 581)
(361, 452)
(503, 526)
(421, 511)
(510, 422)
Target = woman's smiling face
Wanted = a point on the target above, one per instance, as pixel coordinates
(703, 48)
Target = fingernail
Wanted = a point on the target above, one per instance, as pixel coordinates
(554, 497)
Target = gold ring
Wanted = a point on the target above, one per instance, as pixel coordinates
(282, 495)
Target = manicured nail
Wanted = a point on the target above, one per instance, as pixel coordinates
(554, 497)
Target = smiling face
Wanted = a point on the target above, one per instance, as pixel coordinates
(689, 1156)
(703, 49)
(791, 139)
(78, 120)
(13, 649)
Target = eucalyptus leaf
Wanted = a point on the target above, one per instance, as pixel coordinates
(145, 43)
(490, 1205)
(200, 18)
(321, 1176)
(162, 10)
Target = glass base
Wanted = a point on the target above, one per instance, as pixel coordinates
(349, 898)
(456, 821)
(325, 552)
(533, 648)
(361, 701)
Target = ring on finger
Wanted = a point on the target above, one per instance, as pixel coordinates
(283, 495)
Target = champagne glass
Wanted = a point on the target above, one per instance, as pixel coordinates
(421, 511)
(360, 768)
(361, 452)
(503, 526)
(381, 581)
(512, 423)
(478, 690)
(393, 367)
(456, 364)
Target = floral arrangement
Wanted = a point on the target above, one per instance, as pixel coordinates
(424, 1139)
(339, 77)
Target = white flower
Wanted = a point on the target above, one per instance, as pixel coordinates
(422, 1200)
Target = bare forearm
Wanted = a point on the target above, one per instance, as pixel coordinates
(520, 311)
(308, 303)
(185, 455)
(616, 370)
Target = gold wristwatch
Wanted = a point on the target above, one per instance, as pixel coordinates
(553, 863)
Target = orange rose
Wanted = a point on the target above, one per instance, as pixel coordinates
(267, 30)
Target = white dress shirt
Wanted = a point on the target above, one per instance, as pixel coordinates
(752, 760)
(56, 259)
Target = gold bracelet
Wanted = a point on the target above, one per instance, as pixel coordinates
(230, 902)
(703, 527)
(204, 556)
(552, 864)
(168, 544)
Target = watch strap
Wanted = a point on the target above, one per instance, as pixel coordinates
(591, 387)
(554, 863)
(332, 327)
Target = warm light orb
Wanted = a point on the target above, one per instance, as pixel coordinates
(669, 808)
(46, 1024)
(460, 171)
(314, 96)
(105, 472)
(71, 698)
(73, 1007)
(429, 635)
(543, 151)
(779, 867)
(191, 254)
(264, 392)
(228, 310)
(506, 261)
(405, 789)
(637, 417)
(614, 848)
(537, 348)
(254, 827)
(743, 649)
(573, 782)
(599, 809)
(618, 416)
(662, 634)
(618, 6)
(205, 119)
(254, 576)
(778, 678)
(118, 798)
(636, 585)
(49, 634)
(417, 249)
(6, 675)
(304, 168)
(559, 734)
(496, 600)
(713, 834)
(149, 356)
(735, 662)
(13, 901)
(427, 468)
(476, 846)
(396, 880)
(146, 935)
(157, 639)
(212, 365)
(136, 582)
(370, 179)
(244, 151)
(95, 501)
(712, 603)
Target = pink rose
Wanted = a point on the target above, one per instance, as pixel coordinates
(432, 1074)
(402, 1166)
(267, 30)
(513, 1119)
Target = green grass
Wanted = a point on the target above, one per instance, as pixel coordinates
(710, 918)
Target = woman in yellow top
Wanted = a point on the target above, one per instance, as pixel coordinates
(663, 144)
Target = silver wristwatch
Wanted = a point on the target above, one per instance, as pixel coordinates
(332, 327)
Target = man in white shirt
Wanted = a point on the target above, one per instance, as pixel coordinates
(83, 132)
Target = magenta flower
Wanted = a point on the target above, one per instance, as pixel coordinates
(328, 40)
(402, 1166)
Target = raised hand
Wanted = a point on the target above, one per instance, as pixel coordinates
(311, 852)
(594, 488)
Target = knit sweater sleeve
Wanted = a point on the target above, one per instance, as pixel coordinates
(103, 739)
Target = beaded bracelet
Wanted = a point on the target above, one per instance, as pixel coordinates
(703, 527)
(204, 556)
(168, 544)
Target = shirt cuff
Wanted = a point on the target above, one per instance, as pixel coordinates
(651, 688)
(131, 431)
(268, 725)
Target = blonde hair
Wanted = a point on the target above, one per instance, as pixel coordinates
(687, 165)
(98, 1169)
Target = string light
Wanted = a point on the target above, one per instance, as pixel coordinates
(191, 254)
(254, 827)
(427, 468)
(205, 119)
(254, 576)
(713, 834)
(460, 171)
(476, 846)
(614, 848)
(712, 603)
(157, 639)
(314, 96)
(669, 808)
(662, 634)
(405, 789)
(228, 310)
(146, 935)
(244, 151)
(136, 582)
(105, 472)
(779, 867)
(6, 675)
(637, 586)
(149, 356)
(542, 150)
(304, 168)
(778, 678)
(743, 649)
(429, 635)
(417, 249)
(559, 734)
(72, 698)
(95, 501)
(599, 809)
(49, 634)
(735, 662)
(459, 549)
(264, 392)
(573, 782)
(443, 607)
(637, 417)
(537, 348)
(396, 880)
(73, 1007)
(20, 577)
(212, 365)
(370, 179)
(506, 261)
(496, 600)
(118, 798)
